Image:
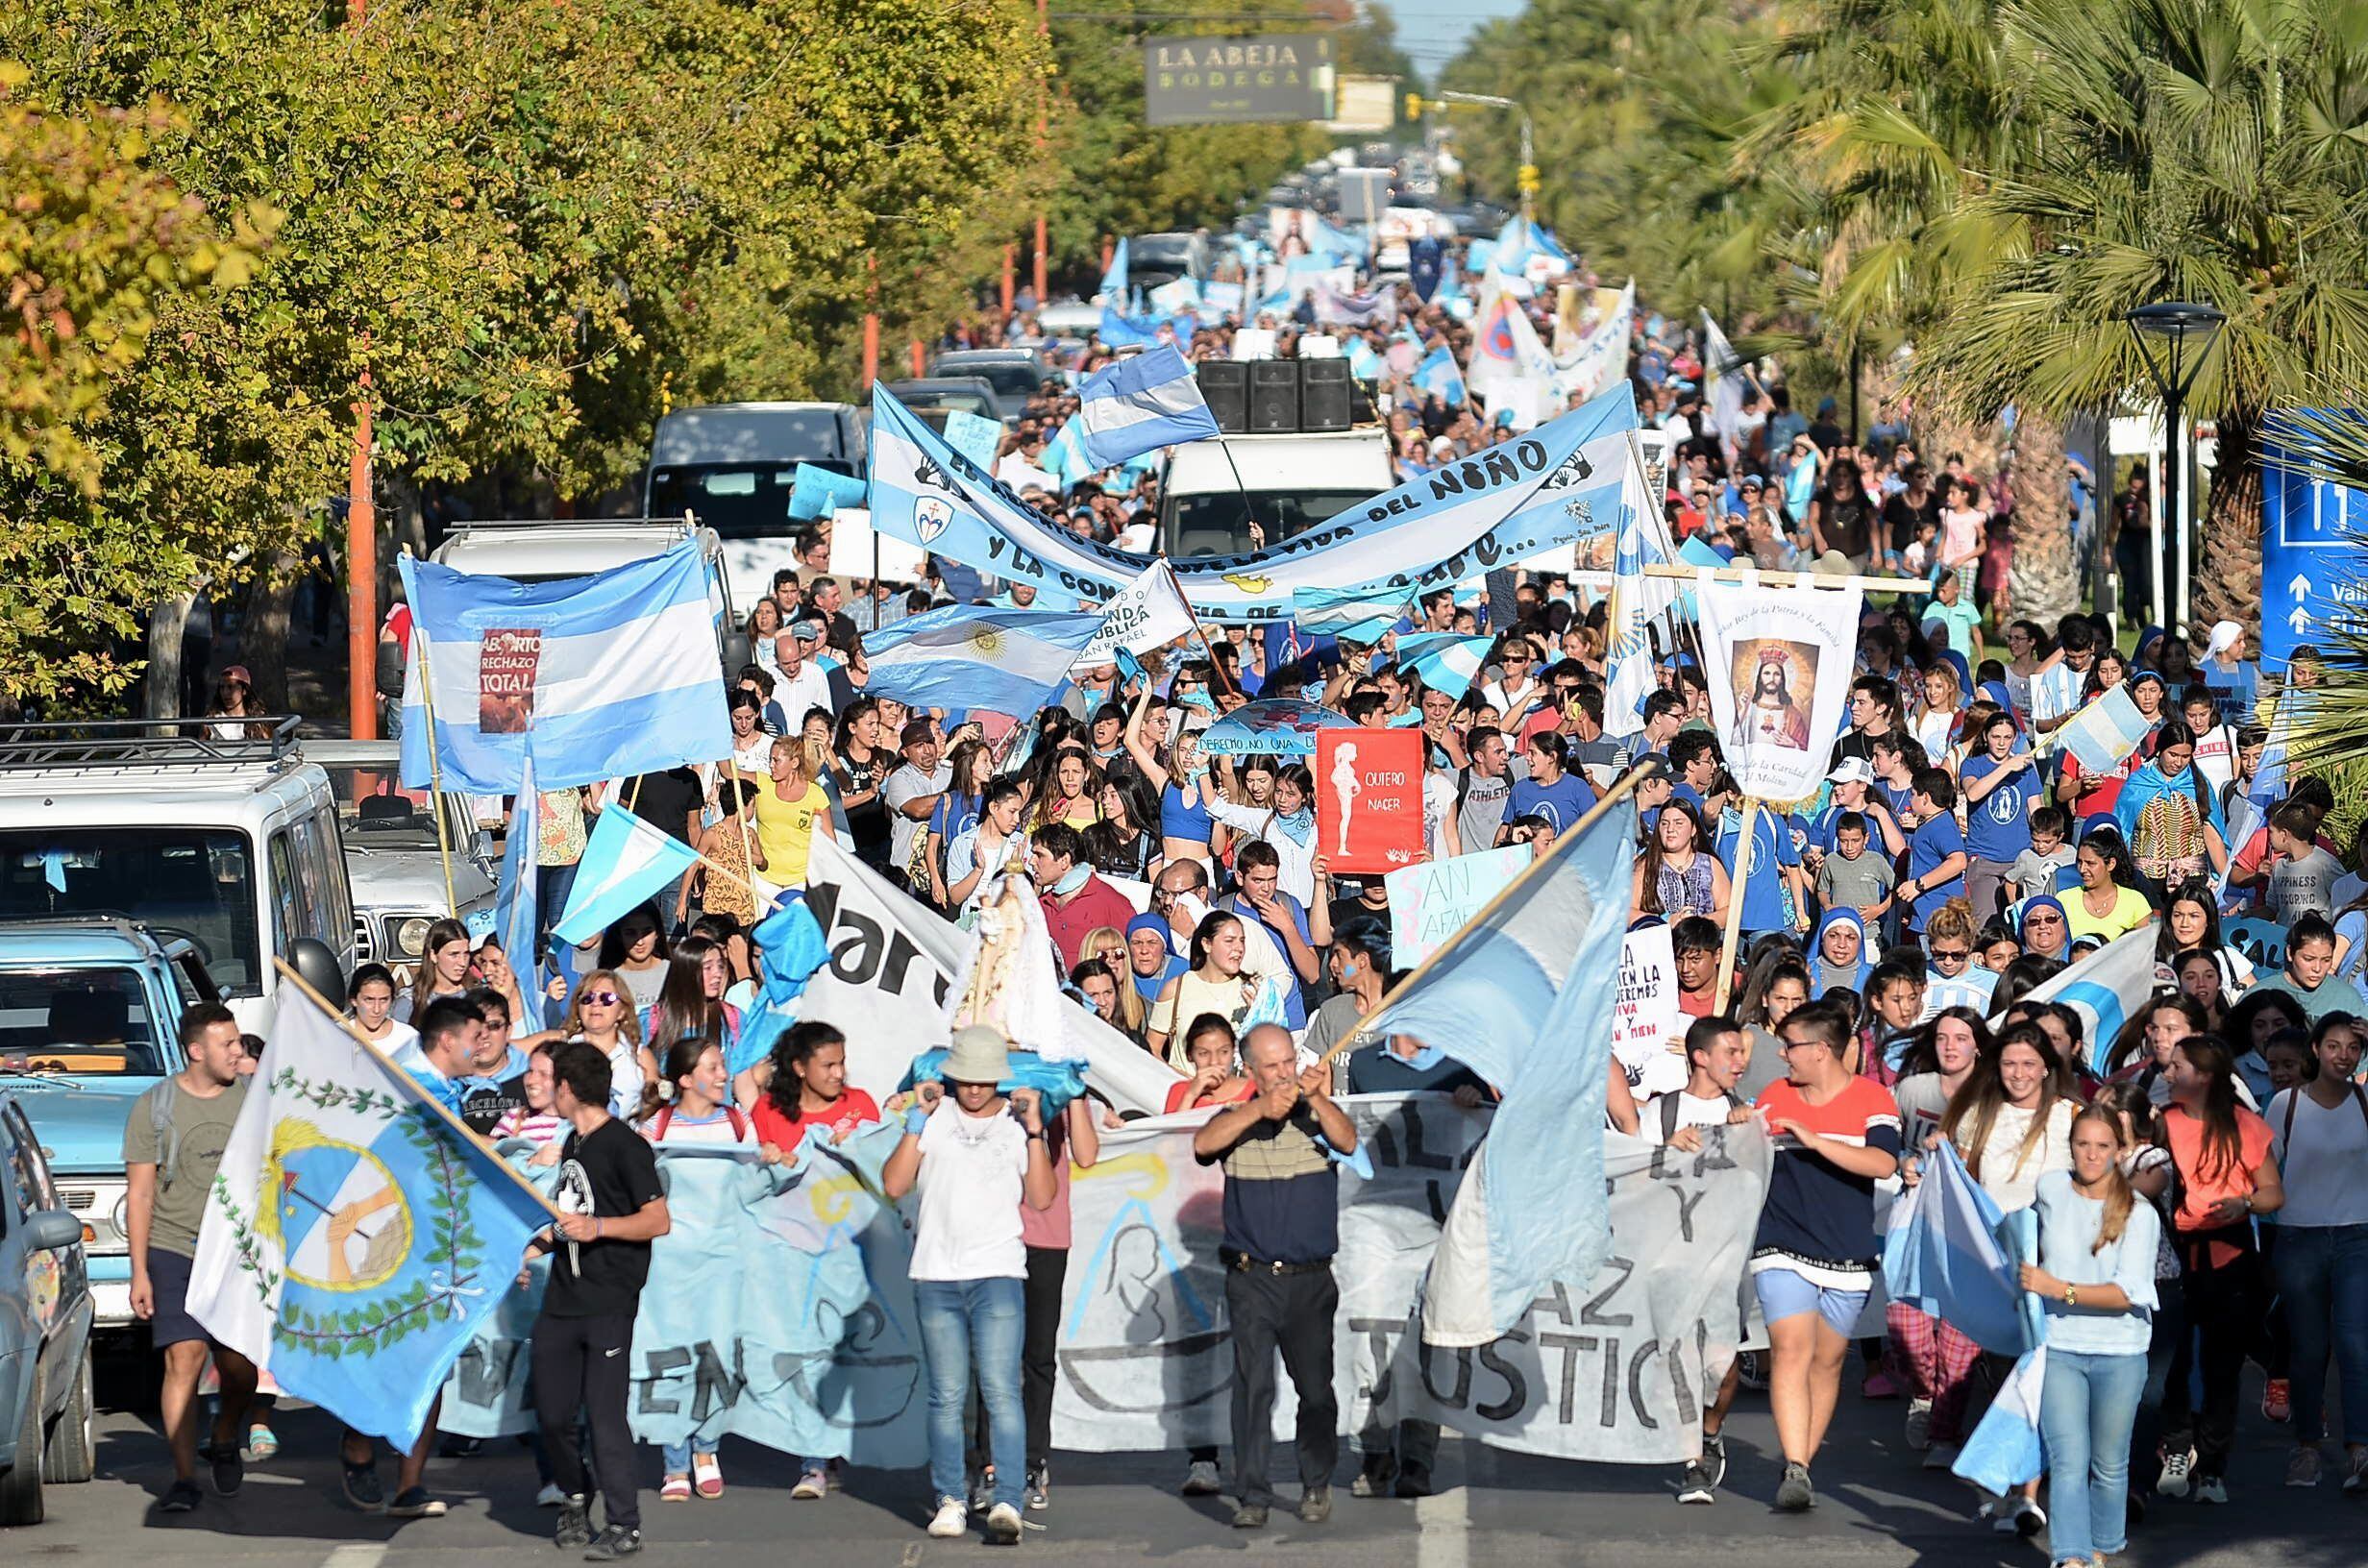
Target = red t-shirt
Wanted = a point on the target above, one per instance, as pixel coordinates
(2201, 1188)
(786, 1133)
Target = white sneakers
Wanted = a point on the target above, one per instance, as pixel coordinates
(1003, 1525)
(952, 1519)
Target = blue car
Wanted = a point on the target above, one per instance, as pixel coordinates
(45, 1428)
(89, 1007)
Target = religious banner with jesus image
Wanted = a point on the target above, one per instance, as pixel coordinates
(1368, 797)
(1784, 656)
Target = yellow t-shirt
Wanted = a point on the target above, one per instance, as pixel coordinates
(2129, 913)
(786, 832)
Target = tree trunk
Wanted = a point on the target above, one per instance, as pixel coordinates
(2043, 583)
(161, 682)
(2228, 586)
(262, 631)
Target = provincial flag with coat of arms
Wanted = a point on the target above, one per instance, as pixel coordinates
(356, 1235)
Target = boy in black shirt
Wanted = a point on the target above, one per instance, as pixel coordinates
(613, 1209)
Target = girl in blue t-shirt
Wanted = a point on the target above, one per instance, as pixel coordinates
(2000, 785)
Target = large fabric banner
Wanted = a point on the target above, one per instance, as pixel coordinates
(1613, 1370)
(1555, 485)
(1780, 665)
(777, 1310)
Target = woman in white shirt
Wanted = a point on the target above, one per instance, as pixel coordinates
(1289, 824)
(2011, 1120)
(2319, 1137)
(980, 855)
(2096, 1277)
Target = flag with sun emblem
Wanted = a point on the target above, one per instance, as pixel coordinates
(978, 656)
(353, 1237)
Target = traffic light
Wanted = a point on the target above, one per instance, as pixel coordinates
(1414, 105)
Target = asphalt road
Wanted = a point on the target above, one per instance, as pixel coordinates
(1876, 1507)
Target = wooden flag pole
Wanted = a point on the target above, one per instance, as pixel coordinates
(1216, 671)
(410, 1086)
(1621, 788)
(1735, 900)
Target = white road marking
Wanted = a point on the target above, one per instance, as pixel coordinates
(356, 1554)
(1442, 1524)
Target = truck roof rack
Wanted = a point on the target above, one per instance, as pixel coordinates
(474, 524)
(141, 742)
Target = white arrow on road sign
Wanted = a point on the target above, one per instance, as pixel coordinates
(2300, 619)
(2300, 587)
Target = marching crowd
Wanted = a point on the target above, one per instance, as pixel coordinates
(1860, 972)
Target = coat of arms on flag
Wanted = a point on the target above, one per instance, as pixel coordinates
(354, 1235)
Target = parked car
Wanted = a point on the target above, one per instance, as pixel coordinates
(933, 397)
(89, 1012)
(229, 843)
(1017, 374)
(392, 857)
(1154, 259)
(45, 1425)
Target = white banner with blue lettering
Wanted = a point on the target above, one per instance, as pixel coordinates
(1615, 1370)
(1555, 485)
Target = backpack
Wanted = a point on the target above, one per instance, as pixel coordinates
(1669, 1108)
(168, 1136)
(666, 1115)
(2293, 1098)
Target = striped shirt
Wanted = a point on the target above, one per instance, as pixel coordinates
(1282, 1202)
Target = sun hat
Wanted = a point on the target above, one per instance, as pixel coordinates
(979, 1055)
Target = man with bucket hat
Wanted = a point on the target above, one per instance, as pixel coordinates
(975, 1156)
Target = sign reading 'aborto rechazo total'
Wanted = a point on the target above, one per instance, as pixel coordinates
(1195, 81)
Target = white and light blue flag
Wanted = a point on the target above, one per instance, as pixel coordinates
(1141, 405)
(517, 919)
(1440, 377)
(1519, 996)
(356, 1236)
(625, 859)
(1946, 1254)
(978, 656)
(2104, 988)
(600, 676)
(1113, 291)
(1449, 667)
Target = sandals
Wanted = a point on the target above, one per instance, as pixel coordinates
(708, 1475)
(261, 1442)
(678, 1490)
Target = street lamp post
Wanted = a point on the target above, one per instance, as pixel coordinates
(2173, 339)
(1526, 177)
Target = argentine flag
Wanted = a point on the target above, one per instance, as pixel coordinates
(600, 676)
(1450, 666)
(1141, 405)
(1440, 377)
(978, 656)
(2104, 987)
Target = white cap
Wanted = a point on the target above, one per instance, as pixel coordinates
(1852, 771)
(2225, 635)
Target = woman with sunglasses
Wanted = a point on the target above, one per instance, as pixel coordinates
(1516, 689)
(602, 1014)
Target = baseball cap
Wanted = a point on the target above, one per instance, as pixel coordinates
(1852, 771)
(238, 673)
(807, 632)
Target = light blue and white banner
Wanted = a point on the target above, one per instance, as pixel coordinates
(2104, 988)
(602, 676)
(1558, 484)
(1945, 1253)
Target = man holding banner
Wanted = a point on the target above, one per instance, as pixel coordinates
(1282, 1227)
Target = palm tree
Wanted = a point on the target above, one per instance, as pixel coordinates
(2176, 149)
(1907, 108)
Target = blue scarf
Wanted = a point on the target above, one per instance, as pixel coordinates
(1298, 827)
(1072, 882)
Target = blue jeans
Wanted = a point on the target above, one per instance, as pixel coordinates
(676, 1459)
(2086, 1407)
(967, 1326)
(2323, 1278)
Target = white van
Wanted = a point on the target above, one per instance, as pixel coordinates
(229, 845)
(538, 550)
(733, 466)
(1293, 483)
